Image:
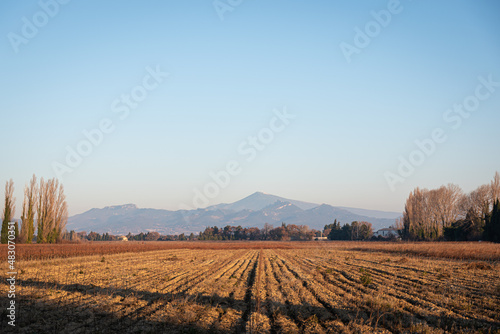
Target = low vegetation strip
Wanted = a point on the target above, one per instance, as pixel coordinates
(484, 251)
(53, 251)
(480, 251)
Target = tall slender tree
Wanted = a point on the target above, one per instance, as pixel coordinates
(52, 211)
(415, 216)
(41, 212)
(29, 210)
(60, 215)
(9, 209)
(492, 228)
(448, 208)
(495, 188)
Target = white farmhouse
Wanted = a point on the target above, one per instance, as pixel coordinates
(386, 232)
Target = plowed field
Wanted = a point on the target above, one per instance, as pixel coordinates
(303, 290)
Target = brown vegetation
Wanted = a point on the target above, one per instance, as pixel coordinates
(483, 251)
(52, 251)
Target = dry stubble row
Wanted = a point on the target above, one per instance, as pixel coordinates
(316, 290)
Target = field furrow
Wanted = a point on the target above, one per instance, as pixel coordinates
(272, 290)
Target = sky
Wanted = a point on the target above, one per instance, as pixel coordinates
(185, 104)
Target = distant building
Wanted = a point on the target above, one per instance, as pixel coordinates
(386, 233)
(122, 238)
(320, 238)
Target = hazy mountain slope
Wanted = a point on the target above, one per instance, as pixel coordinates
(373, 213)
(254, 210)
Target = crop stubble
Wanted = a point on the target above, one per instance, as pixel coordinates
(327, 289)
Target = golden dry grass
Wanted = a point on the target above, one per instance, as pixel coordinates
(452, 250)
(52, 251)
(311, 288)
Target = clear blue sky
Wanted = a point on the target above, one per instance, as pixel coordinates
(353, 119)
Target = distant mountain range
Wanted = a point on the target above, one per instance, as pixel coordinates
(252, 211)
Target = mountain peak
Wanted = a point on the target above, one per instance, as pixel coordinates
(121, 207)
(258, 193)
(258, 201)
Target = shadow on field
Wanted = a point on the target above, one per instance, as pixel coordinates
(46, 316)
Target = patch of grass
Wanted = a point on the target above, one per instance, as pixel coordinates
(365, 278)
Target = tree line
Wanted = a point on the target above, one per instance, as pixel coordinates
(45, 203)
(284, 232)
(447, 213)
(290, 232)
(353, 231)
(149, 236)
(73, 236)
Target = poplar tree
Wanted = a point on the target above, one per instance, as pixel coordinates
(29, 210)
(8, 211)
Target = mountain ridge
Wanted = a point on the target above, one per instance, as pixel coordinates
(252, 211)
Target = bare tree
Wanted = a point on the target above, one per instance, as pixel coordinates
(419, 217)
(429, 212)
(42, 212)
(29, 210)
(61, 214)
(434, 201)
(446, 205)
(365, 230)
(267, 228)
(476, 204)
(9, 209)
(23, 237)
(52, 211)
(398, 224)
(413, 216)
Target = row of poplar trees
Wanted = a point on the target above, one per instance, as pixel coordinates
(450, 214)
(44, 204)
